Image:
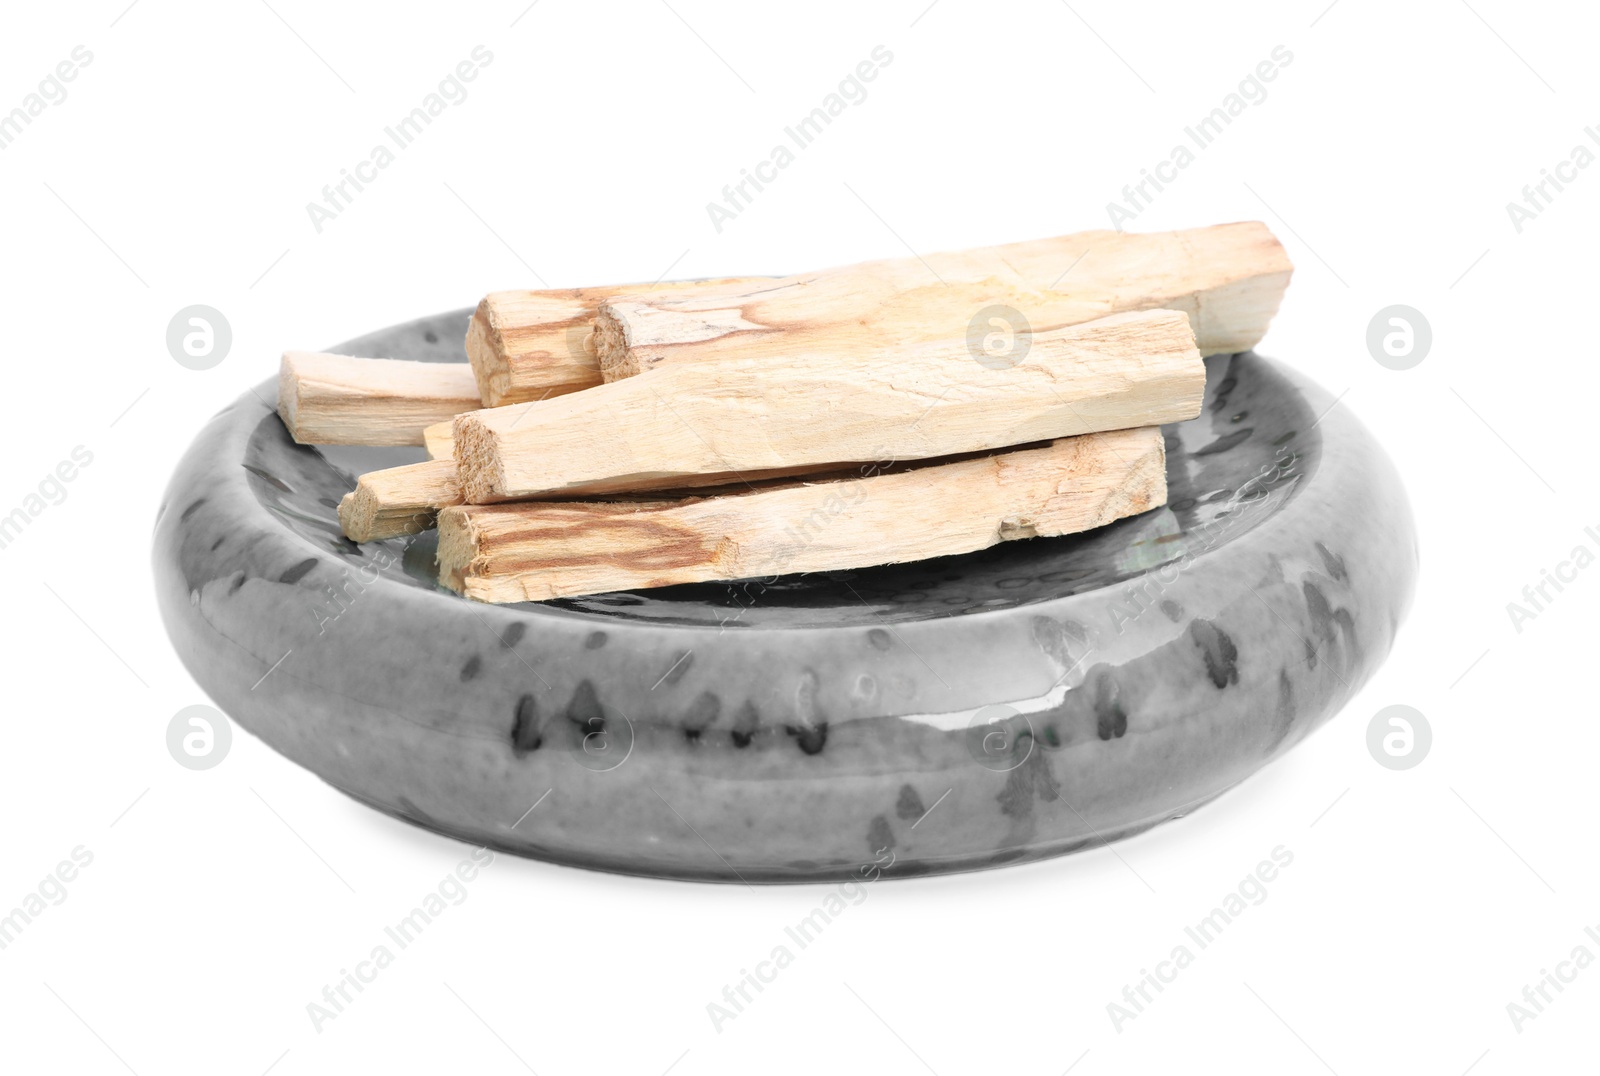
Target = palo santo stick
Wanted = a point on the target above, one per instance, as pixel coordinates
(1229, 279)
(533, 552)
(439, 439)
(653, 430)
(398, 500)
(441, 445)
(343, 400)
(529, 345)
(405, 500)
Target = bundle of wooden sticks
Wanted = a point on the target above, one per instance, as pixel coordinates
(616, 438)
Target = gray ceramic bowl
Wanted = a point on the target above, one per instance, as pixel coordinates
(1027, 701)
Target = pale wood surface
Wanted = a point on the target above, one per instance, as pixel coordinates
(398, 500)
(404, 500)
(529, 345)
(1229, 279)
(343, 400)
(439, 440)
(537, 551)
(1120, 372)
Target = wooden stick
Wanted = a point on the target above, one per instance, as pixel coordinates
(530, 345)
(398, 500)
(439, 439)
(533, 552)
(1120, 372)
(1229, 279)
(343, 400)
(404, 500)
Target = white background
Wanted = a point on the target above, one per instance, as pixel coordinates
(177, 171)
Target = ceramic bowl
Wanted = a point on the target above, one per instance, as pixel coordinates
(1026, 701)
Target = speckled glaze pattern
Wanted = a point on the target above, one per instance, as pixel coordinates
(1027, 701)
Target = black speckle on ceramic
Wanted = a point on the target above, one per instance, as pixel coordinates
(790, 729)
(525, 731)
(909, 804)
(299, 571)
(1221, 656)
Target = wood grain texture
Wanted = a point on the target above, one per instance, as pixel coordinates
(530, 345)
(343, 400)
(1228, 279)
(398, 500)
(404, 500)
(538, 551)
(732, 418)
